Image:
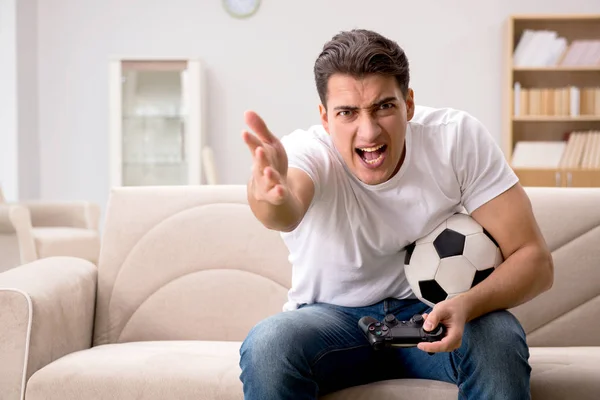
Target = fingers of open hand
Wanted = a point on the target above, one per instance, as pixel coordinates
(267, 180)
(251, 141)
(273, 177)
(270, 178)
(258, 125)
(270, 189)
(261, 160)
(277, 194)
(257, 149)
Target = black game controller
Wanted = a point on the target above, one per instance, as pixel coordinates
(394, 333)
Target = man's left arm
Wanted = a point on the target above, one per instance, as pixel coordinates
(527, 270)
(496, 200)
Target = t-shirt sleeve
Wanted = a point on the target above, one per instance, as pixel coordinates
(482, 170)
(306, 153)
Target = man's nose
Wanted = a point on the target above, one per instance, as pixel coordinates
(368, 129)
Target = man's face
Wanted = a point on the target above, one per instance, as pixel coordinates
(366, 119)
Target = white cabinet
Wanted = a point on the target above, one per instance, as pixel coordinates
(156, 122)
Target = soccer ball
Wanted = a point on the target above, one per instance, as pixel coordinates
(453, 258)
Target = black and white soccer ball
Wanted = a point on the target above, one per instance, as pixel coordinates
(453, 258)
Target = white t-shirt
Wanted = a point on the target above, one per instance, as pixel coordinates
(349, 248)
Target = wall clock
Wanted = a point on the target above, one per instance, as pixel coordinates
(241, 8)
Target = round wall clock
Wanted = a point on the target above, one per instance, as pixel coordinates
(241, 8)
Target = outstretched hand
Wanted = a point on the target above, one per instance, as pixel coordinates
(269, 161)
(453, 315)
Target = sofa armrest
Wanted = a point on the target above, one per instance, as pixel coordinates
(46, 312)
(16, 220)
(76, 214)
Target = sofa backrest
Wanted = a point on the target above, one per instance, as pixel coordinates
(193, 263)
(569, 313)
(186, 263)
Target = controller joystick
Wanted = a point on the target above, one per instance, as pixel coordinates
(394, 333)
(390, 320)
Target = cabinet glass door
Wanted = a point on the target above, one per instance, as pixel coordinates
(154, 115)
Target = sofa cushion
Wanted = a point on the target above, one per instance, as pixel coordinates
(210, 370)
(143, 370)
(61, 241)
(565, 372)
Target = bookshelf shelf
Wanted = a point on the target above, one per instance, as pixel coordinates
(582, 68)
(541, 18)
(551, 120)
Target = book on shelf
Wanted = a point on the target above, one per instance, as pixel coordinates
(581, 149)
(569, 101)
(545, 48)
(538, 154)
(584, 150)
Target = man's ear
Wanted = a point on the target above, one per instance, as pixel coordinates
(410, 104)
(324, 117)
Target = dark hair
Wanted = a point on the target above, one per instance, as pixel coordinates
(358, 53)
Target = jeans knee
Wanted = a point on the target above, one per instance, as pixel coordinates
(268, 343)
(496, 338)
(492, 361)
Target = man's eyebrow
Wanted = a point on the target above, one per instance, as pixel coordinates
(374, 105)
(384, 100)
(351, 108)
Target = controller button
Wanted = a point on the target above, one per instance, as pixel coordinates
(417, 318)
(378, 324)
(378, 333)
(371, 328)
(384, 328)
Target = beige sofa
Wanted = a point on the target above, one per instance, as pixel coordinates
(185, 272)
(39, 229)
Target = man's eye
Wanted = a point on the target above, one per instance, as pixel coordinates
(385, 106)
(344, 113)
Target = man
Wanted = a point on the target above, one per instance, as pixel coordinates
(348, 197)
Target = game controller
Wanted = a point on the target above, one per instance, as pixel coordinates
(393, 333)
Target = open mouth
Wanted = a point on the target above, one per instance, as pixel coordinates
(372, 157)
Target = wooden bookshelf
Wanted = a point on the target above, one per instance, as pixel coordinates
(540, 108)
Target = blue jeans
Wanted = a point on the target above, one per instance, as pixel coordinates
(319, 348)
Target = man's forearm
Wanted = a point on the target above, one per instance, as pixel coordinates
(283, 218)
(523, 275)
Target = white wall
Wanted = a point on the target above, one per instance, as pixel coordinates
(8, 100)
(27, 100)
(19, 144)
(264, 63)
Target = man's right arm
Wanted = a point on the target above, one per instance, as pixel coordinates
(278, 196)
(287, 215)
